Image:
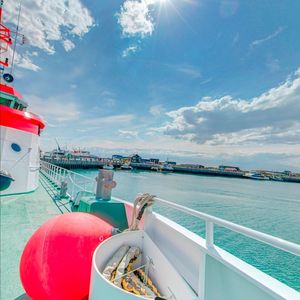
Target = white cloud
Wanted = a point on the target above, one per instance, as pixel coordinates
(108, 99)
(135, 18)
(44, 22)
(131, 49)
(115, 119)
(107, 93)
(189, 70)
(24, 61)
(267, 38)
(54, 109)
(128, 133)
(68, 45)
(156, 110)
(269, 118)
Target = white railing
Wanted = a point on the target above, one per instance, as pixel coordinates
(211, 220)
(75, 182)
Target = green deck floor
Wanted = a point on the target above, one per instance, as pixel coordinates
(20, 216)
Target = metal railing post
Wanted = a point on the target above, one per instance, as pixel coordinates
(209, 234)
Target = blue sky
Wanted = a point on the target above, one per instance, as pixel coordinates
(208, 81)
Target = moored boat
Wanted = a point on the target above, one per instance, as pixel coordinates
(256, 176)
(167, 168)
(19, 130)
(126, 167)
(108, 167)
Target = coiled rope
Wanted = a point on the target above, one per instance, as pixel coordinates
(141, 202)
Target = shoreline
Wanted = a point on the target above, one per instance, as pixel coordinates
(81, 164)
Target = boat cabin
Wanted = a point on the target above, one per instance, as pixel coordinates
(11, 98)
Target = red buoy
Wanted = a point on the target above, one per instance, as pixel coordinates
(56, 262)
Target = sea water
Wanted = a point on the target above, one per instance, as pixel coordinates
(268, 206)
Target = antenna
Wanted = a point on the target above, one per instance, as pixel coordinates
(15, 41)
(57, 144)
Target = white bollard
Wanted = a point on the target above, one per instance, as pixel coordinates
(105, 184)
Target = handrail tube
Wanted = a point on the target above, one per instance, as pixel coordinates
(262, 237)
(68, 171)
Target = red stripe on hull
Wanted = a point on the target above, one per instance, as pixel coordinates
(20, 120)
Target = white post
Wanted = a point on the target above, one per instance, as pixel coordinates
(105, 184)
(60, 175)
(56, 174)
(63, 189)
(51, 172)
(209, 234)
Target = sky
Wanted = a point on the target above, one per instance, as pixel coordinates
(198, 81)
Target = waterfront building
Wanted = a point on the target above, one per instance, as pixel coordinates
(229, 168)
(192, 166)
(135, 159)
(146, 161)
(173, 163)
(154, 160)
(118, 157)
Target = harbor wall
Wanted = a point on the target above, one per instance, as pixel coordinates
(86, 164)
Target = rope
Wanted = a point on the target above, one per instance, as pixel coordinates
(21, 158)
(141, 202)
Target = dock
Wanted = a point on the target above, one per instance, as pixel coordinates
(184, 169)
(197, 171)
(82, 164)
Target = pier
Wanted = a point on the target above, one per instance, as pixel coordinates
(189, 170)
(153, 165)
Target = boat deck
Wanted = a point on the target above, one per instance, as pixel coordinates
(20, 216)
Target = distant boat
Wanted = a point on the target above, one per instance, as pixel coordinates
(276, 178)
(155, 169)
(126, 167)
(257, 176)
(167, 168)
(163, 168)
(108, 167)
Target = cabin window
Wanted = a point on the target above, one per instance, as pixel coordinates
(5, 102)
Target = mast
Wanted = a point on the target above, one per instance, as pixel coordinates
(5, 40)
(58, 147)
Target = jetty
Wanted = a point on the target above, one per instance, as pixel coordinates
(85, 160)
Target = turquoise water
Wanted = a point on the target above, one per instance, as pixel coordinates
(270, 207)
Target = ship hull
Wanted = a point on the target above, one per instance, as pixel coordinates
(19, 157)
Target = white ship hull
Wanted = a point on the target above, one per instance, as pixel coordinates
(23, 165)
